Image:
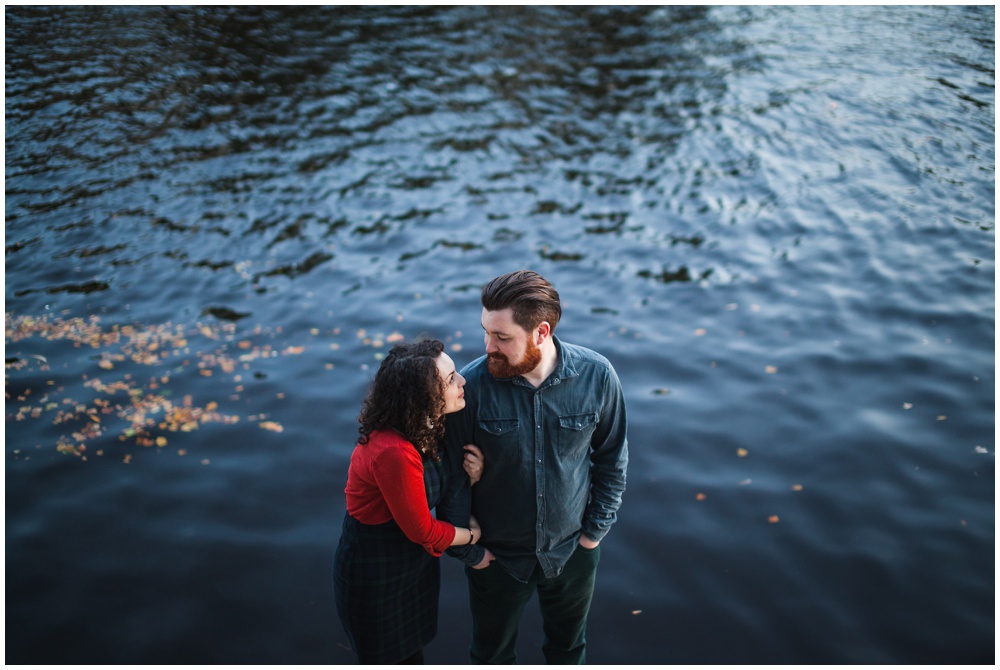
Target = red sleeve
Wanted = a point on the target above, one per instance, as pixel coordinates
(399, 474)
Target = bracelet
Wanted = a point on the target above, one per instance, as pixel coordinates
(472, 536)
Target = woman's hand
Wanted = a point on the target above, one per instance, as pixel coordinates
(473, 463)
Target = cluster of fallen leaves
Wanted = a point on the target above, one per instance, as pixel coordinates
(140, 412)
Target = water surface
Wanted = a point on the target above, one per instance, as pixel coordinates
(776, 222)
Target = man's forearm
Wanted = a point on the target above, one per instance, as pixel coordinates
(470, 554)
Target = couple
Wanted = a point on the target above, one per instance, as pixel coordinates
(525, 509)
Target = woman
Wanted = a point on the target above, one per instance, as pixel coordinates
(387, 574)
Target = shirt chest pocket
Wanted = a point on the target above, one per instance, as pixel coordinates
(575, 431)
(499, 433)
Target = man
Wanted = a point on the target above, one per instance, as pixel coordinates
(550, 420)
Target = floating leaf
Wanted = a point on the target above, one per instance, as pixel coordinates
(161, 441)
(700, 331)
(773, 519)
(636, 611)
(741, 452)
(907, 405)
(700, 496)
(272, 425)
(797, 487)
(395, 337)
(770, 369)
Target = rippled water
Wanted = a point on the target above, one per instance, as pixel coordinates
(778, 223)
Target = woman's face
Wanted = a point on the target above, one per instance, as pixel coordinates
(454, 384)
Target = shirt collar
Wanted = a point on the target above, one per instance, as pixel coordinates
(565, 361)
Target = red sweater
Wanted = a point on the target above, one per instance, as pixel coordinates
(386, 482)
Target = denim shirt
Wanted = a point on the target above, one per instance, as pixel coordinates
(554, 461)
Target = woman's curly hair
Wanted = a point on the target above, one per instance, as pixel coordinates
(407, 395)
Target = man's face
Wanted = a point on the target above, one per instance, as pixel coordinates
(510, 350)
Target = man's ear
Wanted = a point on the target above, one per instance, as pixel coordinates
(542, 332)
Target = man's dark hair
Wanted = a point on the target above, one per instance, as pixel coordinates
(531, 297)
(408, 396)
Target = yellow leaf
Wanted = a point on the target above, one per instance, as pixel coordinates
(700, 496)
(773, 519)
(272, 425)
(161, 441)
(295, 350)
(770, 369)
(742, 452)
(797, 487)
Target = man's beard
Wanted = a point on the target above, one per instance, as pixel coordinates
(502, 368)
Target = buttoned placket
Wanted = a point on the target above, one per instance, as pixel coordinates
(538, 425)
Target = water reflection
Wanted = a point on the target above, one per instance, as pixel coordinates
(292, 124)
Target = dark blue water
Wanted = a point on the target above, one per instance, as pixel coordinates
(777, 222)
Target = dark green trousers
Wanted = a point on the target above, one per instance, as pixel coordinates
(497, 601)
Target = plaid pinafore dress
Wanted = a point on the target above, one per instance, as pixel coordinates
(387, 586)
